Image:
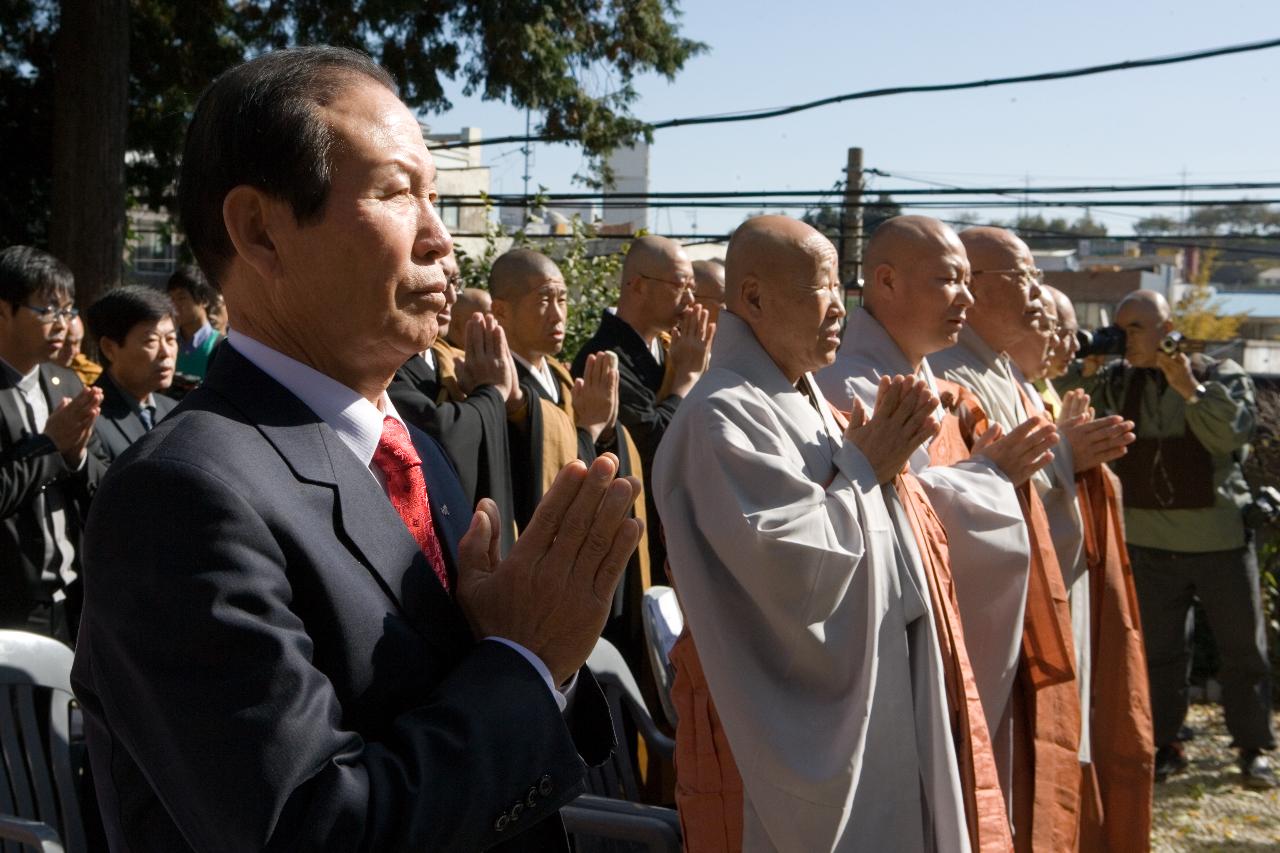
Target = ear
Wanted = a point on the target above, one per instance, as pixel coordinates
(1166, 327)
(886, 277)
(248, 215)
(109, 348)
(749, 298)
(498, 308)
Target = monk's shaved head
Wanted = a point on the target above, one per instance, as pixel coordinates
(519, 270)
(657, 286)
(1066, 345)
(652, 256)
(902, 242)
(531, 303)
(1147, 301)
(708, 287)
(916, 284)
(782, 279)
(988, 246)
(1006, 286)
(773, 249)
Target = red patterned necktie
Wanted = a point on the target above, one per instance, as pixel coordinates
(402, 467)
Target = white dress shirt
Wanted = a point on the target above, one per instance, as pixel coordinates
(543, 375)
(358, 423)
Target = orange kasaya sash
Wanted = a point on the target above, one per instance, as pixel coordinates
(708, 785)
(1046, 704)
(984, 803)
(1117, 813)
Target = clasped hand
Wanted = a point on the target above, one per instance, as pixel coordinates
(903, 419)
(553, 592)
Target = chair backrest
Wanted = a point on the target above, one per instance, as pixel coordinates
(663, 622)
(617, 778)
(36, 779)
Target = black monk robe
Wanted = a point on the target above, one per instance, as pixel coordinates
(472, 427)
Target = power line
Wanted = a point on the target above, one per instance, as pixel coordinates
(807, 203)
(755, 115)
(940, 190)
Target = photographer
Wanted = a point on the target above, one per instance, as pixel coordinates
(1184, 493)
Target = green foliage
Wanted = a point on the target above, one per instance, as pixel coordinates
(572, 62)
(591, 276)
(826, 218)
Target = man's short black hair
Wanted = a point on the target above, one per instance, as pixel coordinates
(117, 311)
(193, 281)
(26, 271)
(259, 124)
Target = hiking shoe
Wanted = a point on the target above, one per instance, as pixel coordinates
(1256, 771)
(1170, 760)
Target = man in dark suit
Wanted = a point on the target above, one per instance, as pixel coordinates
(662, 338)
(134, 328)
(46, 426)
(296, 634)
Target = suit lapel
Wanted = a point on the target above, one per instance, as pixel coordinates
(366, 521)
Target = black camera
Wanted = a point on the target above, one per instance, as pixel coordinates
(1109, 340)
(1264, 509)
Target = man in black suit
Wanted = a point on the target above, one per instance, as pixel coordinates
(662, 338)
(296, 634)
(46, 427)
(134, 328)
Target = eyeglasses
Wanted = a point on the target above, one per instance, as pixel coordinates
(1032, 274)
(52, 313)
(678, 285)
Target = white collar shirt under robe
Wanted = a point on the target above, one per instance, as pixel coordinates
(818, 641)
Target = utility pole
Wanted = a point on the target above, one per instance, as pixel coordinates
(851, 223)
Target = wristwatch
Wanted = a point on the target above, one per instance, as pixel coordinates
(1198, 394)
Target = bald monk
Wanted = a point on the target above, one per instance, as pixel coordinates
(708, 287)
(471, 301)
(464, 403)
(914, 303)
(817, 641)
(1050, 724)
(567, 418)
(1068, 344)
(1033, 354)
(662, 339)
(1117, 795)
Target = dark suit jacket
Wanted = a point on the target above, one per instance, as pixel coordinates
(119, 424)
(267, 662)
(473, 433)
(639, 409)
(30, 468)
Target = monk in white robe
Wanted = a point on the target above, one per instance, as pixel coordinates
(915, 300)
(816, 637)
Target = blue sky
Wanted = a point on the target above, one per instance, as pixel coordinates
(1217, 119)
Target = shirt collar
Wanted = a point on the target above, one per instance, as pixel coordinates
(202, 334)
(543, 374)
(355, 420)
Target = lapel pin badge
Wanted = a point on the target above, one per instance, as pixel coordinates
(444, 509)
(55, 380)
